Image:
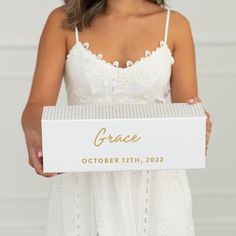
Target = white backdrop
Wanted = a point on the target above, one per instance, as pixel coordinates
(23, 194)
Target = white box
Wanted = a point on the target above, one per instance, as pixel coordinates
(112, 137)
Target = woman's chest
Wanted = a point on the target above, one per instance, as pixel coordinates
(89, 76)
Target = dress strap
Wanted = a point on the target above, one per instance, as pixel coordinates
(167, 25)
(76, 34)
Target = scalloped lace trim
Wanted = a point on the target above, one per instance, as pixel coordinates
(129, 63)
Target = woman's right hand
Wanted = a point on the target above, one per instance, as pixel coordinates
(34, 146)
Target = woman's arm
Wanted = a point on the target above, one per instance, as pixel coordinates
(46, 83)
(183, 78)
(184, 87)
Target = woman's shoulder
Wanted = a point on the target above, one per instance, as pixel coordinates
(179, 27)
(54, 25)
(57, 15)
(179, 19)
(53, 31)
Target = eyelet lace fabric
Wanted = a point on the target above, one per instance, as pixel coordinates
(145, 80)
(119, 203)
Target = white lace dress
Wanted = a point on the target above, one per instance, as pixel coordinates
(119, 203)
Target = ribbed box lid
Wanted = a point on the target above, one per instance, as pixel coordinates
(122, 111)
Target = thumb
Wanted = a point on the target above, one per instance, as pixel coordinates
(39, 154)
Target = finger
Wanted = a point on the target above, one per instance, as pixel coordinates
(194, 100)
(210, 124)
(38, 151)
(207, 114)
(37, 163)
(30, 163)
(208, 128)
(208, 134)
(206, 147)
(208, 131)
(39, 155)
(208, 121)
(45, 174)
(207, 142)
(29, 157)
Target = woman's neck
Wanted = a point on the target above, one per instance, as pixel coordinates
(124, 7)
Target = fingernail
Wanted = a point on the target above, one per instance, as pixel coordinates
(191, 100)
(40, 154)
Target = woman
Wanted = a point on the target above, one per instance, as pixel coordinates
(114, 51)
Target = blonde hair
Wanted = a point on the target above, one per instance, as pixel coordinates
(81, 12)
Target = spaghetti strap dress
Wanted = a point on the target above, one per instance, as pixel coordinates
(119, 203)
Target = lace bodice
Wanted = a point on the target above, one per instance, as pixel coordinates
(89, 78)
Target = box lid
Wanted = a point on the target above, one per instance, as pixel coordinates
(123, 111)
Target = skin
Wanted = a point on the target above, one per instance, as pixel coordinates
(120, 40)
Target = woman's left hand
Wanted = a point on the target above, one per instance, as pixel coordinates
(194, 100)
